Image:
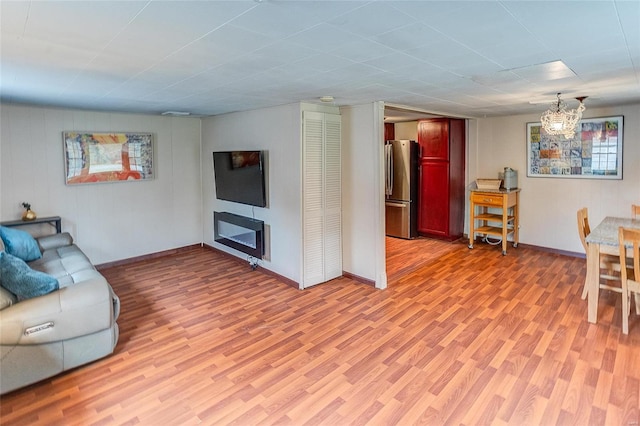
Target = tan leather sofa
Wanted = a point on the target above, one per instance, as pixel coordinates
(49, 334)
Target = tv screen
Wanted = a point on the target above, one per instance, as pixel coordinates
(239, 177)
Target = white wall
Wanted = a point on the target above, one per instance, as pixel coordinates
(406, 130)
(549, 205)
(277, 131)
(362, 192)
(109, 221)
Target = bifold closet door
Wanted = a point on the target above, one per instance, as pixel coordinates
(322, 204)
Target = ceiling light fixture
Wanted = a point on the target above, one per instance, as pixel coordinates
(176, 113)
(326, 99)
(558, 120)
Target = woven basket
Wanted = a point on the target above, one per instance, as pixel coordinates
(488, 183)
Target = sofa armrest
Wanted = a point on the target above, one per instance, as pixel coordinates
(54, 241)
(81, 309)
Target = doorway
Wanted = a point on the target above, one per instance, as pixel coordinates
(405, 255)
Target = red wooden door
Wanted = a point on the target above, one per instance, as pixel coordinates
(433, 212)
(433, 137)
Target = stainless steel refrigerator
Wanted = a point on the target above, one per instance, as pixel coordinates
(401, 188)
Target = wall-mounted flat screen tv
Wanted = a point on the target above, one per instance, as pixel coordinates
(239, 177)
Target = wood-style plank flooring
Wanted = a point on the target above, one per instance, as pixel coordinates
(460, 337)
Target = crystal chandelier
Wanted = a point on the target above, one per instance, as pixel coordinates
(558, 120)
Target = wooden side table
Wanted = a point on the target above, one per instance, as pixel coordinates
(54, 221)
(500, 225)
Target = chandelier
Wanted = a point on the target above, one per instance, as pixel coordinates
(558, 120)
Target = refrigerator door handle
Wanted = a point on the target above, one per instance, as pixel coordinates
(388, 151)
(395, 204)
(390, 169)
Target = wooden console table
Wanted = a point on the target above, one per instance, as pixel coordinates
(494, 224)
(54, 221)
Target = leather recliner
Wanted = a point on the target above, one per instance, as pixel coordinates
(46, 335)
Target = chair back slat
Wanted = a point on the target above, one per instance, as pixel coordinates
(629, 239)
(583, 227)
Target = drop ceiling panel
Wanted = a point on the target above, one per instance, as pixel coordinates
(322, 37)
(86, 25)
(365, 21)
(276, 21)
(564, 30)
(412, 36)
(361, 50)
(402, 64)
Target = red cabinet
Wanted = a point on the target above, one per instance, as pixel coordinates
(433, 137)
(389, 131)
(441, 189)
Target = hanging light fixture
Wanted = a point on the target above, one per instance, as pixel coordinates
(558, 120)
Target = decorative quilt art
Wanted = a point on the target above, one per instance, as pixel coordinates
(91, 157)
(594, 152)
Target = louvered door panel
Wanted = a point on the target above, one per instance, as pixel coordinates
(313, 173)
(313, 199)
(333, 198)
(322, 198)
(333, 179)
(313, 250)
(332, 245)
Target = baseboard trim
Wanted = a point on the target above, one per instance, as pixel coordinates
(146, 257)
(287, 281)
(552, 250)
(359, 279)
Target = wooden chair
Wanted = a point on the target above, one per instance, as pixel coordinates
(630, 273)
(635, 211)
(609, 264)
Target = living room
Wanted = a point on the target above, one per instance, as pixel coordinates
(117, 223)
(176, 207)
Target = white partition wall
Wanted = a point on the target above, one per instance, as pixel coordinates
(363, 233)
(277, 132)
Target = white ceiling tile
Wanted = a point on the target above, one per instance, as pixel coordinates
(371, 19)
(322, 37)
(401, 63)
(275, 20)
(455, 54)
(562, 25)
(361, 50)
(86, 25)
(13, 19)
(320, 63)
(604, 61)
(411, 36)
(234, 40)
(286, 52)
(629, 16)
(432, 11)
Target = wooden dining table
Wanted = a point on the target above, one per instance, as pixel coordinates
(602, 239)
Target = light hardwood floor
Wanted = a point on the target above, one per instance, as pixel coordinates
(461, 336)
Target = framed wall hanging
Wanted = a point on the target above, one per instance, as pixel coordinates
(93, 157)
(595, 151)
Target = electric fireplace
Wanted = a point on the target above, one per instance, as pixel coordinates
(239, 232)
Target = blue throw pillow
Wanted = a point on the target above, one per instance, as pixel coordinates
(21, 280)
(20, 244)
